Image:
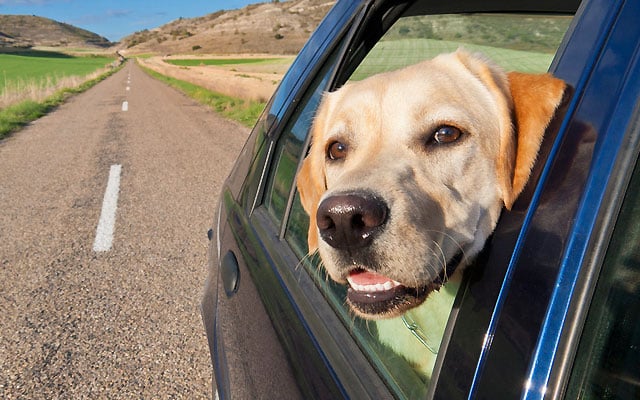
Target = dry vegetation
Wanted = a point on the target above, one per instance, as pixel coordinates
(272, 28)
(38, 91)
(23, 31)
(250, 82)
(275, 28)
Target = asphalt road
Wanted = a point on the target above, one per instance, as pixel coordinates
(122, 323)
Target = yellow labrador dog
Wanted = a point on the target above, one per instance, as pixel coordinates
(406, 177)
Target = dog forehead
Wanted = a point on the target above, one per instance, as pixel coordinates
(426, 87)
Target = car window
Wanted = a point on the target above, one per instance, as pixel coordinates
(288, 150)
(516, 42)
(607, 364)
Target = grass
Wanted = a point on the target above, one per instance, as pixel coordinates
(522, 43)
(25, 68)
(394, 54)
(538, 33)
(244, 111)
(219, 61)
(18, 115)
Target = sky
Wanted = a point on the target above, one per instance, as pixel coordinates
(115, 19)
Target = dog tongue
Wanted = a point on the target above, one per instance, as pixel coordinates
(362, 277)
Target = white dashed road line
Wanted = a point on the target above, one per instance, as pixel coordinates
(106, 225)
(125, 106)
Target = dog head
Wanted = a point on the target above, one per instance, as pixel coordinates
(409, 170)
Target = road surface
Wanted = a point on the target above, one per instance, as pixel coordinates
(115, 317)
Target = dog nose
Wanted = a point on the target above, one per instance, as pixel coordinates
(350, 220)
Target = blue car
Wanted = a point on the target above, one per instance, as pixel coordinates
(551, 307)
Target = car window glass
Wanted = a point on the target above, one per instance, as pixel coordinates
(287, 152)
(516, 42)
(607, 364)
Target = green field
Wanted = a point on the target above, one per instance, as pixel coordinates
(21, 69)
(394, 54)
(516, 42)
(221, 61)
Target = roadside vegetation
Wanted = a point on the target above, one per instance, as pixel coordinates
(220, 61)
(33, 83)
(34, 75)
(244, 111)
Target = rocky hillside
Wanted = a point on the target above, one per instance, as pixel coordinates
(280, 27)
(25, 31)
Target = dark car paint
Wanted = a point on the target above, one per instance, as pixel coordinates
(278, 305)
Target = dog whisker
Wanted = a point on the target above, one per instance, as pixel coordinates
(464, 259)
(307, 258)
(444, 257)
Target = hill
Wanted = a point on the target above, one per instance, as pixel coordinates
(280, 27)
(24, 31)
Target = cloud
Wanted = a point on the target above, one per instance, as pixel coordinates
(118, 13)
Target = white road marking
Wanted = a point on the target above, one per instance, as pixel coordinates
(125, 106)
(106, 225)
(128, 88)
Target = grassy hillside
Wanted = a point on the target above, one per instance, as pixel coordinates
(515, 42)
(516, 32)
(392, 55)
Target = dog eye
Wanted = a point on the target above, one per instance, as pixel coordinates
(445, 134)
(337, 151)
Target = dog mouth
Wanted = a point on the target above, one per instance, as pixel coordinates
(375, 296)
(372, 295)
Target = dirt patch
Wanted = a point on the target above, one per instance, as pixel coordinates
(245, 81)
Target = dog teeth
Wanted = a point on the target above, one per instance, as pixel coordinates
(378, 287)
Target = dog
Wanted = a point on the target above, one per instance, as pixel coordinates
(406, 177)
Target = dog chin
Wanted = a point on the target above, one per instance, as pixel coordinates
(386, 304)
(373, 296)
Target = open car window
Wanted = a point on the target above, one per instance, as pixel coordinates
(514, 41)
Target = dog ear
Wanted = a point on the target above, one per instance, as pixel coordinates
(535, 100)
(311, 180)
(311, 186)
